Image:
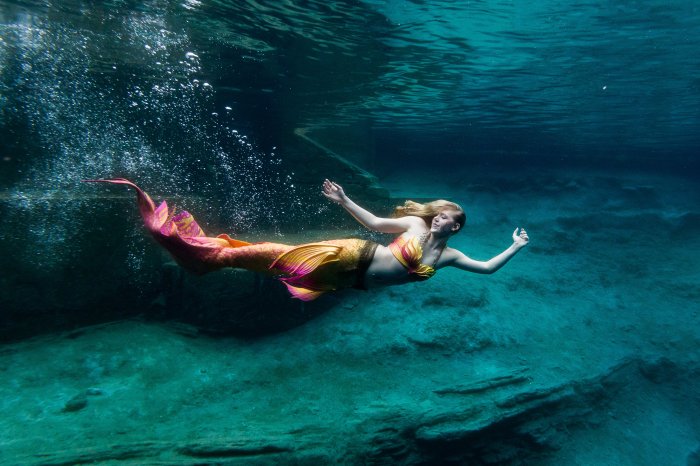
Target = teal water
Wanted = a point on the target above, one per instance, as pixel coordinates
(579, 121)
(551, 80)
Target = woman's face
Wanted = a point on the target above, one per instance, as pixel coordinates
(445, 222)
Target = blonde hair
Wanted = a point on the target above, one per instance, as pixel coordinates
(429, 210)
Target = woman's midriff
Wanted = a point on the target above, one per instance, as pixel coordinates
(385, 270)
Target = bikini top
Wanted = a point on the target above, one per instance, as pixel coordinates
(409, 252)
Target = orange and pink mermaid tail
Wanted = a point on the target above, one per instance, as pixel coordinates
(307, 270)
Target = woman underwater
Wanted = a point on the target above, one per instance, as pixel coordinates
(309, 270)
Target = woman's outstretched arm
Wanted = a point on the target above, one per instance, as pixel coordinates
(335, 193)
(457, 259)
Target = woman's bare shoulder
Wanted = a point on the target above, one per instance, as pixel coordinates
(416, 225)
(409, 225)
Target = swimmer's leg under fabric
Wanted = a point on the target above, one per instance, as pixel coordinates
(307, 270)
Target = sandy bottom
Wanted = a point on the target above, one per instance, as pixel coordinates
(611, 275)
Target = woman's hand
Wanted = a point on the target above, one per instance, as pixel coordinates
(521, 240)
(333, 191)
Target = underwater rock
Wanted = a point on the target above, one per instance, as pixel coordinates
(388, 445)
(522, 422)
(659, 370)
(104, 454)
(538, 395)
(481, 386)
(247, 448)
(76, 403)
(80, 401)
(510, 418)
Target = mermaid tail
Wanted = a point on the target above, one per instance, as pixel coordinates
(307, 271)
(180, 234)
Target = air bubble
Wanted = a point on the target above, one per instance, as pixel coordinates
(169, 144)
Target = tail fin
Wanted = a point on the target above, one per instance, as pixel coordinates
(154, 218)
(179, 234)
(299, 263)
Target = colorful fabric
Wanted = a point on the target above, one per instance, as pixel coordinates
(409, 253)
(307, 270)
